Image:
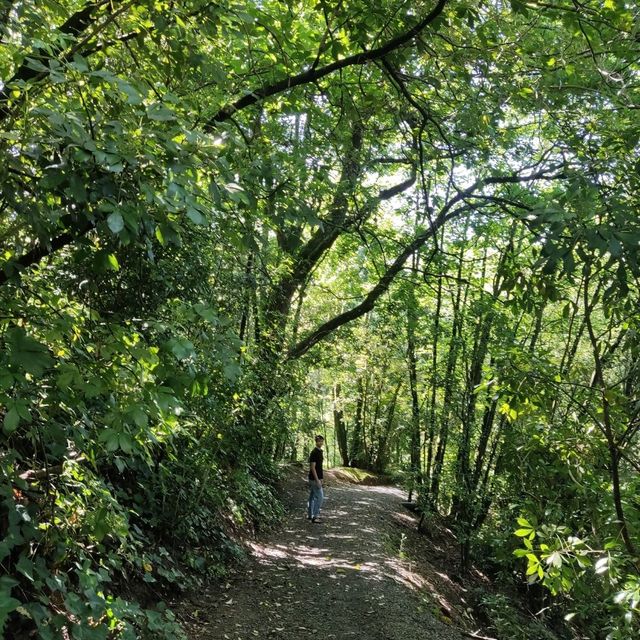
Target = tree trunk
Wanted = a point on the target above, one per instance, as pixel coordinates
(414, 447)
(383, 438)
(357, 443)
(339, 425)
(606, 425)
(449, 380)
(434, 383)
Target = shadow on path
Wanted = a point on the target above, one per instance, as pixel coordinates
(339, 579)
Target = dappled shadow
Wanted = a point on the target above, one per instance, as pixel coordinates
(344, 578)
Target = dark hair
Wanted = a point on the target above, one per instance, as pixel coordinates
(319, 437)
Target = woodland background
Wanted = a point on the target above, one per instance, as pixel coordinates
(225, 226)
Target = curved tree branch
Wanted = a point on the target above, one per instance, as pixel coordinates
(448, 212)
(314, 74)
(42, 250)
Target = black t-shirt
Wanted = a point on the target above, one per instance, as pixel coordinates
(316, 456)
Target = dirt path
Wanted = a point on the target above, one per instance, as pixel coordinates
(341, 579)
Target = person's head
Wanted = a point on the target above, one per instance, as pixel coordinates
(319, 441)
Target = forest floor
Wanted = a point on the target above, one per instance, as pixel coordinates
(349, 577)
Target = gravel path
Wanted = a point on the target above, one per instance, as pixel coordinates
(341, 579)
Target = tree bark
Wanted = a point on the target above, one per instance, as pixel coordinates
(606, 424)
(415, 439)
(449, 380)
(434, 383)
(314, 74)
(384, 436)
(339, 425)
(357, 443)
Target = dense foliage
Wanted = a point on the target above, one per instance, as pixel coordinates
(225, 226)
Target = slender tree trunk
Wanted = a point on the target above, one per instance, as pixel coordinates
(339, 425)
(374, 433)
(466, 499)
(449, 385)
(434, 383)
(414, 447)
(248, 286)
(606, 425)
(357, 442)
(384, 436)
(464, 496)
(365, 421)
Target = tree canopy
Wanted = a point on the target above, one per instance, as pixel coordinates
(225, 225)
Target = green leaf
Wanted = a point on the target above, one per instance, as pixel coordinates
(110, 438)
(113, 262)
(100, 524)
(159, 235)
(195, 216)
(236, 192)
(181, 348)
(133, 95)
(26, 353)
(25, 567)
(555, 560)
(159, 112)
(11, 421)
(105, 261)
(78, 188)
(115, 221)
(126, 443)
(232, 371)
(23, 410)
(207, 313)
(139, 416)
(7, 603)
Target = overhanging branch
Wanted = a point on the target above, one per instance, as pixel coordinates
(314, 74)
(448, 212)
(42, 250)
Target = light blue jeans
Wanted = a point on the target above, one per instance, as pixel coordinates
(316, 496)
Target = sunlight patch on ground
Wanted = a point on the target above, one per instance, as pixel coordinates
(444, 576)
(403, 574)
(338, 536)
(388, 491)
(305, 556)
(343, 548)
(405, 519)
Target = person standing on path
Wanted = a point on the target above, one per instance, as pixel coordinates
(316, 496)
